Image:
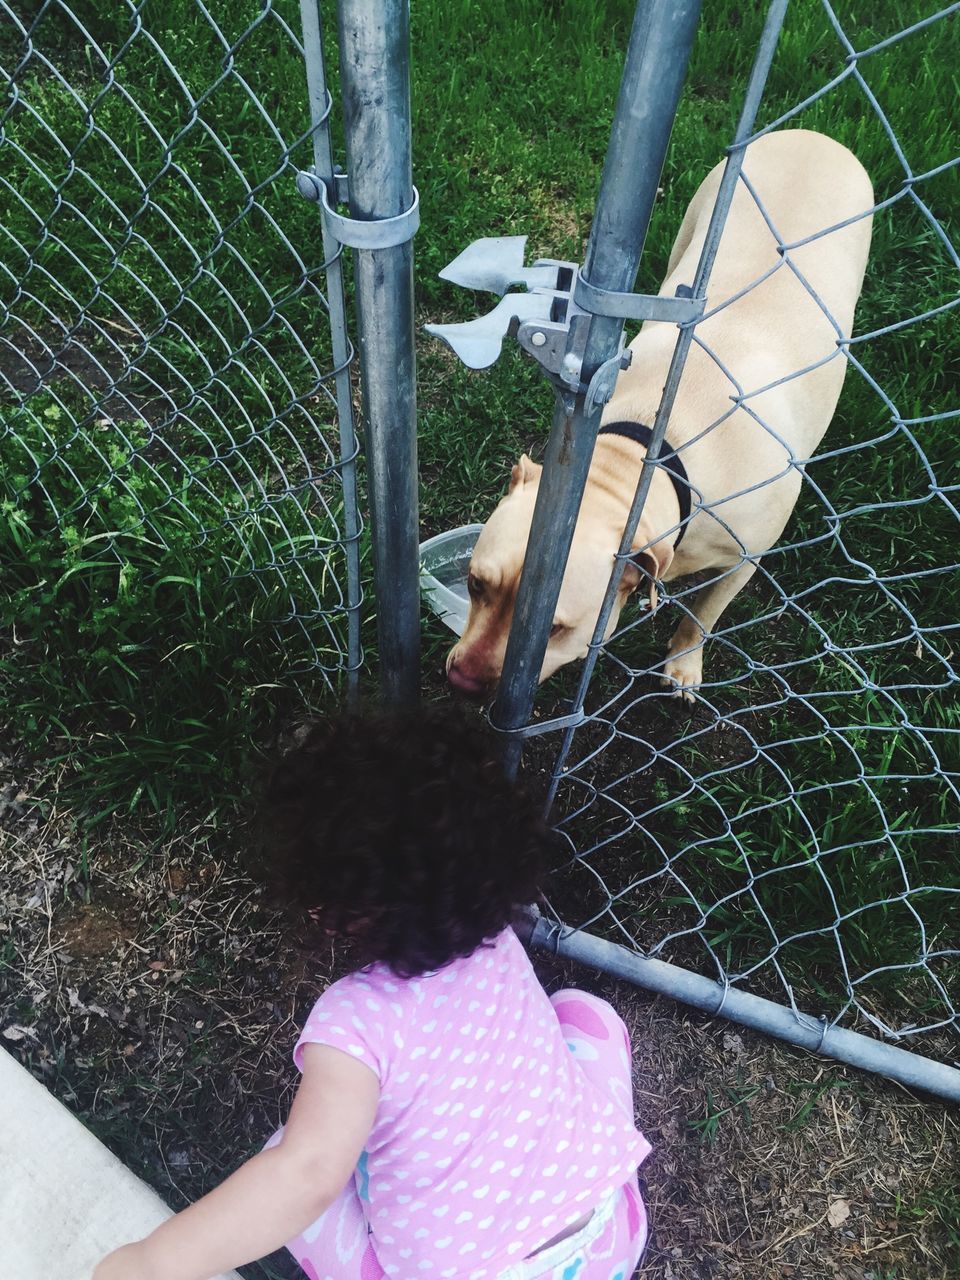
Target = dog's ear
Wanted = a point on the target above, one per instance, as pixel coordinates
(524, 472)
(647, 566)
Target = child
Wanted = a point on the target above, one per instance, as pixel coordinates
(451, 1120)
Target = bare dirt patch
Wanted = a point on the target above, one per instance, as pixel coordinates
(92, 932)
(85, 364)
(147, 986)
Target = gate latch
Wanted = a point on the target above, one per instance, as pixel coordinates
(550, 321)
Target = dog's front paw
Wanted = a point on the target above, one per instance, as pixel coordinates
(683, 672)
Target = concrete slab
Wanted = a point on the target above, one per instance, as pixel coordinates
(65, 1200)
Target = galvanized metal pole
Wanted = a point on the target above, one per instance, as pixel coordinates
(319, 101)
(653, 75)
(374, 38)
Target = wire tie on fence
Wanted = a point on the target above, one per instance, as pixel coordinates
(723, 996)
(555, 935)
(810, 1022)
(824, 1028)
(358, 233)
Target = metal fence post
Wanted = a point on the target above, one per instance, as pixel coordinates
(320, 103)
(656, 62)
(374, 39)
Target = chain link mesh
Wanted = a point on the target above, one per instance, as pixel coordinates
(795, 831)
(168, 412)
(166, 377)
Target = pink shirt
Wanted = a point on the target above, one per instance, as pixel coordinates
(489, 1139)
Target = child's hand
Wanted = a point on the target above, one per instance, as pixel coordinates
(277, 1193)
(126, 1263)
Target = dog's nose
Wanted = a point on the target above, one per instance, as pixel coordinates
(466, 684)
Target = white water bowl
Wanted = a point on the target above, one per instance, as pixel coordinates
(444, 565)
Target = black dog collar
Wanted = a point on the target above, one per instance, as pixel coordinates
(668, 458)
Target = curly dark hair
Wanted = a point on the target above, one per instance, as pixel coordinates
(401, 831)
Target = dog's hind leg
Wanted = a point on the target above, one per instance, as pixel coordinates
(683, 668)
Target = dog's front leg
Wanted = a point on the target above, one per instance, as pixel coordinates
(683, 668)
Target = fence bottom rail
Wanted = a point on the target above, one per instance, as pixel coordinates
(752, 1011)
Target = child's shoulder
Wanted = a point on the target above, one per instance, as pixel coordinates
(372, 1012)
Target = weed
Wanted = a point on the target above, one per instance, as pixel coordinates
(942, 1203)
(707, 1126)
(811, 1091)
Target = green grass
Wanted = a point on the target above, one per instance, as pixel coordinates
(150, 639)
(172, 582)
(938, 1204)
(151, 624)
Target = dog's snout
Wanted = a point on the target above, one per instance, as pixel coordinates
(465, 683)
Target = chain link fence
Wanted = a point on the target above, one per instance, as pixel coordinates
(178, 504)
(793, 833)
(177, 492)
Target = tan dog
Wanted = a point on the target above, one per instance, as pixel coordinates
(807, 183)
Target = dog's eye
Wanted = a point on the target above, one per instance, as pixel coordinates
(557, 630)
(474, 586)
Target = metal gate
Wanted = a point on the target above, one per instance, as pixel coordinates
(789, 844)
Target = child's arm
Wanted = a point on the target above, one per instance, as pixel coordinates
(278, 1193)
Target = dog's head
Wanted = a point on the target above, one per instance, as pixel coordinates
(474, 664)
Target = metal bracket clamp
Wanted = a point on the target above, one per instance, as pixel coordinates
(683, 308)
(358, 233)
